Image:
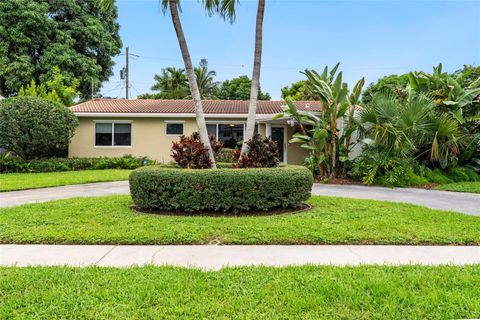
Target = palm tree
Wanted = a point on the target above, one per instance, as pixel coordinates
(205, 80)
(257, 60)
(172, 83)
(226, 9)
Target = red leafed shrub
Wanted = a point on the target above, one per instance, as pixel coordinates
(190, 152)
(262, 153)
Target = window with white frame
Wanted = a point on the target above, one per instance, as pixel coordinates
(229, 134)
(112, 134)
(174, 128)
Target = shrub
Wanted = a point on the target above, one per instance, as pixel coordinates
(220, 190)
(9, 164)
(227, 155)
(190, 152)
(459, 174)
(262, 153)
(378, 166)
(438, 176)
(34, 128)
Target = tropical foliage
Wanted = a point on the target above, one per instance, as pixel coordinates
(173, 83)
(320, 134)
(74, 35)
(262, 153)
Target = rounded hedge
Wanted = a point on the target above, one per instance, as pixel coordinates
(220, 190)
(32, 127)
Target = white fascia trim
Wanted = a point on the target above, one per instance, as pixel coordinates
(156, 115)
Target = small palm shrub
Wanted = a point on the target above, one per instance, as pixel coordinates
(262, 153)
(191, 153)
(379, 166)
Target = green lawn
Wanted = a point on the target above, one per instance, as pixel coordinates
(21, 181)
(108, 220)
(461, 187)
(307, 292)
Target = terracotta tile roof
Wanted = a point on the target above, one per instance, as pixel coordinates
(186, 106)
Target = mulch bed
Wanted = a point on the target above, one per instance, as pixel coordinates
(221, 214)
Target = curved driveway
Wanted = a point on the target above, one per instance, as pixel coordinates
(467, 203)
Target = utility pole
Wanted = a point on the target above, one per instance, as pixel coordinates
(126, 73)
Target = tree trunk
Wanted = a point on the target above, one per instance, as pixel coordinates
(334, 143)
(257, 61)
(192, 81)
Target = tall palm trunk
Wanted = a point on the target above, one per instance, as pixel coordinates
(192, 81)
(257, 61)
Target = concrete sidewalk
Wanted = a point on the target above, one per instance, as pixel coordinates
(216, 257)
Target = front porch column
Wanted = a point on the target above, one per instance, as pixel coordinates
(268, 130)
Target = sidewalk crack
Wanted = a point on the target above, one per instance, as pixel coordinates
(96, 263)
(155, 254)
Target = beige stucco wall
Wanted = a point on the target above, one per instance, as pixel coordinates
(149, 139)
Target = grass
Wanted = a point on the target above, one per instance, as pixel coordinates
(473, 187)
(22, 181)
(307, 292)
(108, 220)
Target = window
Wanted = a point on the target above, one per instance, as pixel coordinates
(110, 134)
(212, 130)
(229, 134)
(174, 128)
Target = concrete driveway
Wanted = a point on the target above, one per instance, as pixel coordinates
(467, 203)
(463, 202)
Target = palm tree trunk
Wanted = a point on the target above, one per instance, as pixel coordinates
(192, 81)
(257, 61)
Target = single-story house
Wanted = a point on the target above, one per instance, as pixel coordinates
(115, 127)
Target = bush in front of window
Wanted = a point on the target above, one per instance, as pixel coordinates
(190, 152)
(262, 153)
(227, 155)
(34, 128)
(220, 190)
(12, 164)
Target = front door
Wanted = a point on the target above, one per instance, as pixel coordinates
(278, 135)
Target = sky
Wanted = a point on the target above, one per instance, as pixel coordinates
(370, 39)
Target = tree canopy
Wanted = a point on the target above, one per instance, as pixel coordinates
(239, 89)
(74, 35)
(172, 84)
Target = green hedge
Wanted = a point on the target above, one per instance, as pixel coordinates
(221, 190)
(10, 164)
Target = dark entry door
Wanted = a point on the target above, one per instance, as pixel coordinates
(278, 135)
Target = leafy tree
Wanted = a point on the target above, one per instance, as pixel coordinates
(392, 84)
(467, 75)
(74, 35)
(298, 91)
(462, 103)
(32, 127)
(56, 90)
(239, 89)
